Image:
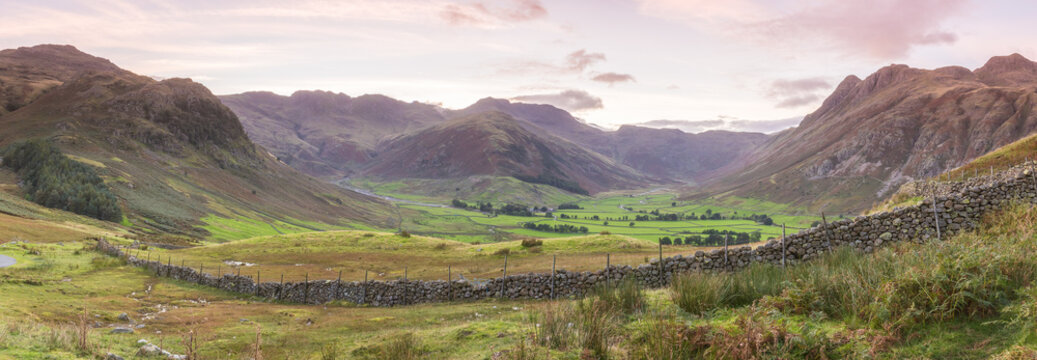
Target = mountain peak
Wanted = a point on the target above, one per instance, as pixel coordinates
(1009, 70)
(60, 60)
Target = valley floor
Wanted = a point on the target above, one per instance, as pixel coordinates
(969, 297)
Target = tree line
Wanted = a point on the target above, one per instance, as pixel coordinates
(53, 180)
(713, 237)
(506, 209)
(558, 228)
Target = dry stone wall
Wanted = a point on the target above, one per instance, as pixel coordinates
(946, 215)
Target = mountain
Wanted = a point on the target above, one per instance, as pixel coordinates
(663, 153)
(171, 152)
(495, 143)
(332, 135)
(900, 123)
(327, 134)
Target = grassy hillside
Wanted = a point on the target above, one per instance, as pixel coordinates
(1000, 159)
(495, 189)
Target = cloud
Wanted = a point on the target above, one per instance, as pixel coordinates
(579, 60)
(570, 100)
(798, 101)
(797, 92)
(480, 14)
(724, 123)
(611, 78)
(575, 62)
(883, 29)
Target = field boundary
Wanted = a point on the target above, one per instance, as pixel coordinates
(933, 219)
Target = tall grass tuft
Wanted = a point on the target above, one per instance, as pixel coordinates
(624, 297)
(697, 293)
(403, 347)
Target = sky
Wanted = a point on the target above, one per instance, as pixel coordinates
(747, 65)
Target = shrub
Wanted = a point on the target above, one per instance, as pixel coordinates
(440, 246)
(504, 251)
(404, 234)
(528, 243)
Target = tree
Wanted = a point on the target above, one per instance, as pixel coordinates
(631, 224)
(53, 180)
(665, 240)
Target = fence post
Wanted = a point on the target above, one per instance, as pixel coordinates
(280, 291)
(661, 268)
(936, 216)
(608, 270)
(782, 245)
(828, 238)
(364, 299)
(1033, 177)
(306, 294)
(219, 275)
(727, 235)
(257, 282)
(201, 268)
(504, 279)
(404, 284)
(554, 261)
(338, 284)
(449, 284)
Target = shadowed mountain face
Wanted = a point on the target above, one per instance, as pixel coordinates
(896, 125)
(663, 153)
(170, 150)
(494, 143)
(326, 134)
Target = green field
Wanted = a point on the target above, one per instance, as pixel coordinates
(617, 210)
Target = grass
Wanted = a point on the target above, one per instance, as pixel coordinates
(617, 210)
(969, 297)
(387, 256)
(1000, 159)
(224, 229)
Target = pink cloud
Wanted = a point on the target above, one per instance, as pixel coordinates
(884, 29)
(579, 60)
(612, 78)
(480, 14)
(575, 62)
(797, 92)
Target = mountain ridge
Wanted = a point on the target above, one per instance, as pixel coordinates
(897, 124)
(170, 150)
